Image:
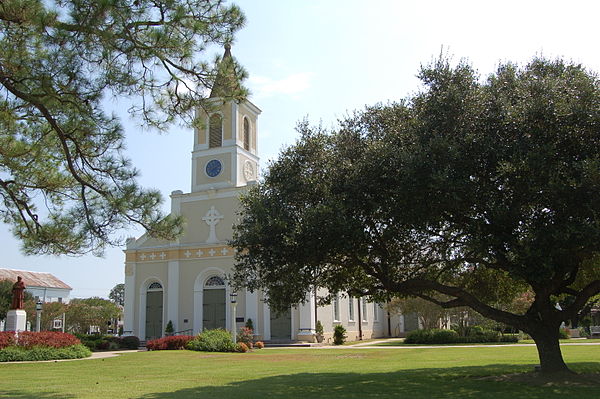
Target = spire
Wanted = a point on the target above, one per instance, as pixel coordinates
(226, 82)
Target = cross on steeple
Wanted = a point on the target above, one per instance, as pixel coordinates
(212, 218)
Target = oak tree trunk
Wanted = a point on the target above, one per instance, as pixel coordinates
(547, 342)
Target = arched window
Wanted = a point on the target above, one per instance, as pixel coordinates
(155, 286)
(214, 281)
(215, 131)
(246, 134)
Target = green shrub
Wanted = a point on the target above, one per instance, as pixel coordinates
(563, 333)
(432, 336)
(130, 342)
(250, 324)
(37, 353)
(339, 335)
(169, 330)
(218, 340)
(319, 327)
(475, 335)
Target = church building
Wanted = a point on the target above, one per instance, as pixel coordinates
(184, 281)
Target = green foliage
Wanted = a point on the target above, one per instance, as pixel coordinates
(38, 353)
(169, 328)
(130, 342)
(430, 314)
(60, 60)
(83, 313)
(117, 294)
(250, 324)
(471, 193)
(319, 327)
(217, 340)
(440, 336)
(339, 335)
(432, 336)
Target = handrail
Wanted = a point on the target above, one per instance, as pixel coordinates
(183, 332)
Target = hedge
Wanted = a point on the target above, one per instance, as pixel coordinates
(439, 336)
(29, 339)
(38, 353)
(169, 343)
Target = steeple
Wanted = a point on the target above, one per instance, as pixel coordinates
(225, 153)
(227, 81)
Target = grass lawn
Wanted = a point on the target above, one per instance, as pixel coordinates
(298, 373)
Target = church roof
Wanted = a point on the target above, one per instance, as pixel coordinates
(226, 82)
(34, 279)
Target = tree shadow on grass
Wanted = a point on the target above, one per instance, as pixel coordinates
(447, 383)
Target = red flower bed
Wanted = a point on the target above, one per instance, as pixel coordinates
(169, 343)
(53, 339)
(28, 339)
(7, 338)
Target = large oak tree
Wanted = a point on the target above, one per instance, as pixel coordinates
(468, 193)
(65, 186)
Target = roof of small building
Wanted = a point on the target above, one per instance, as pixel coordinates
(34, 279)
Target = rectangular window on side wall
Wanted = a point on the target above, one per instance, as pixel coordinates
(376, 309)
(363, 302)
(350, 308)
(336, 308)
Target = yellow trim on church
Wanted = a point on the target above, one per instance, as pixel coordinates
(185, 253)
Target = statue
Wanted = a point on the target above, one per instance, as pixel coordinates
(18, 292)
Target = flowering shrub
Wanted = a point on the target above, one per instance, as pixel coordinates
(246, 336)
(28, 339)
(7, 338)
(241, 347)
(52, 339)
(259, 345)
(173, 342)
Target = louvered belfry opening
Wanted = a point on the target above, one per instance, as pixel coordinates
(246, 134)
(215, 131)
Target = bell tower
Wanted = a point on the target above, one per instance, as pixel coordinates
(225, 144)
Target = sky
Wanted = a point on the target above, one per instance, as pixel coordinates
(321, 60)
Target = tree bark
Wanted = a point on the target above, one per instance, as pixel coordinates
(548, 347)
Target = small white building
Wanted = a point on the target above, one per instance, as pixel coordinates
(43, 286)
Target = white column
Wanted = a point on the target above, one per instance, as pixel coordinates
(307, 318)
(252, 309)
(129, 308)
(173, 294)
(266, 321)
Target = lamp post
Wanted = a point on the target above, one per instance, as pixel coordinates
(233, 297)
(38, 315)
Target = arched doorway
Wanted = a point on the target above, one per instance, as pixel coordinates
(154, 311)
(213, 303)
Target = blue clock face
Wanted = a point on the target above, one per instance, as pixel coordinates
(213, 168)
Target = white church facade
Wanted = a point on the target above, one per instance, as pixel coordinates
(184, 281)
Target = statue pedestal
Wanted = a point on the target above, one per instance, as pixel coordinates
(15, 320)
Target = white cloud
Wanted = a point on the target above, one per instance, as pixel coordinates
(291, 85)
